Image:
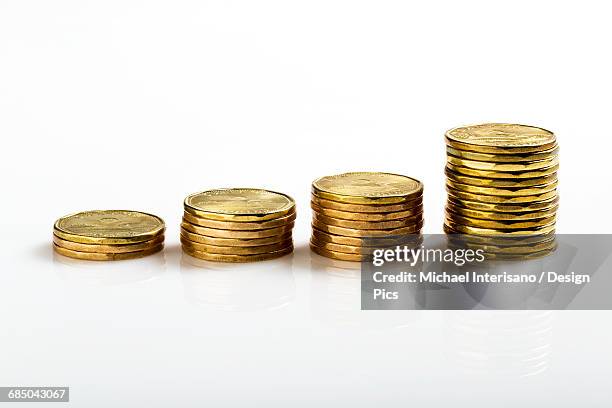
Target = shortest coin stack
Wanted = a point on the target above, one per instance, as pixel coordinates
(354, 213)
(108, 235)
(238, 225)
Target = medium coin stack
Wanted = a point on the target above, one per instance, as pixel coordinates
(238, 225)
(108, 235)
(501, 181)
(356, 212)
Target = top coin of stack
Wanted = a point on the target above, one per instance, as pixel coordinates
(349, 207)
(238, 225)
(502, 182)
(108, 235)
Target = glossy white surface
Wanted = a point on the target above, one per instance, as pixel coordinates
(127, 104)
(169, 328)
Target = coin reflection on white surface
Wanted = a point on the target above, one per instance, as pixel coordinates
(336, 298)
(95, 273)
(500, 343)
(265, 285)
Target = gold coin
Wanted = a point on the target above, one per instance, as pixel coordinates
(358, 250)
(503, 174)
(516, 167)
(367, 188)
(503, 158)
(239, 226)
(501, 183)
(228, 250)
(207, 256)
(368, 208)
(461, 195)
(499, 240)
(346, 215)
(234, 242)
(512, 249)
(239, 205)
(342, 256)
(491, 256)
(369, 225)
(361, 233)
(407, 239)
(497, 224)
(505, 208)
(347, 249)
(108, 249)
(466, 229)
(221, 233)
(109, 227)
(501, 138)
(503, 244)
(505, 192)
(95, 256)
(492, 215)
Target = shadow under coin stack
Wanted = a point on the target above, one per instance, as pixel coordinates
(108, 235)
(238, 225)
(501, 181)
(354, 213)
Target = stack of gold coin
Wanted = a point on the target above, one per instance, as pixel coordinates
(356, 212)
(108, 235)
(501, 181)
(238, 225)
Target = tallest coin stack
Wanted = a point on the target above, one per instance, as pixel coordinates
(501, 181)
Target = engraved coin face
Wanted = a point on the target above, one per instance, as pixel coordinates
(501, 135)
(109, 224)
(240, 201)
(367, 187)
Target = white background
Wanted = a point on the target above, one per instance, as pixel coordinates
(135, 104)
